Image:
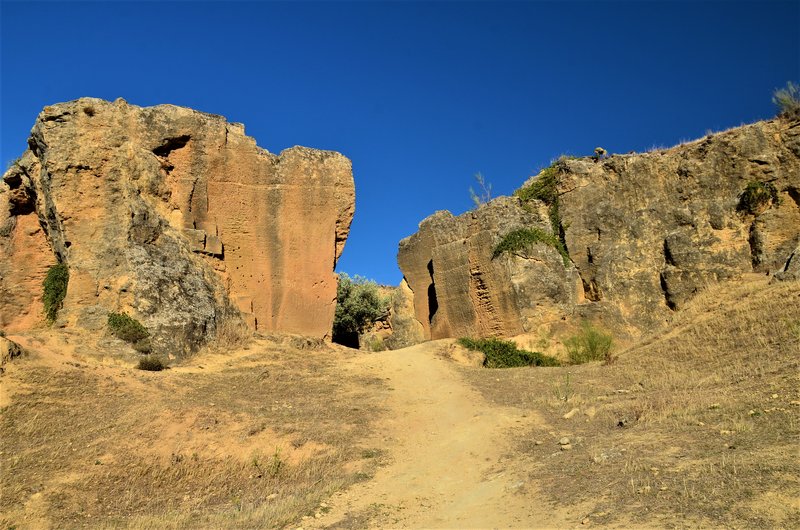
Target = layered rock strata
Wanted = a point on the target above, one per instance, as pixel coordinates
(175, 216)
(644, 232)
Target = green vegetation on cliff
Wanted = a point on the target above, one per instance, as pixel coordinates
(545, 188)
(126, 328)
(519, 243)
(55, 289)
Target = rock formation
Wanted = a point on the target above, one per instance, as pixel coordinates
(175, 216)
(644, 233)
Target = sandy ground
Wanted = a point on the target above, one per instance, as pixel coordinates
(447, 447)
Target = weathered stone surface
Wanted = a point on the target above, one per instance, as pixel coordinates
(8, 351)
(791, 269)
(461, 290)
(405, 329)
(174, 216)
(645, 232)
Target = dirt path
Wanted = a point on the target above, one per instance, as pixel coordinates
(446, 446)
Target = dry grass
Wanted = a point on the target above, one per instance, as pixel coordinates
(257, 439)
(697, 425)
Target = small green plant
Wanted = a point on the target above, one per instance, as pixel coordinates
(126, 328)
(276, 463)
(563, 391)
(151, 364)
(484, 188)
(505, 354)
(55, 289)
(788, 101)
(520, 242)
(756, 196)
(545, 188)
(590, 344)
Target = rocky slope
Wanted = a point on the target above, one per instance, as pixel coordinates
(174, 216)
(643, 232)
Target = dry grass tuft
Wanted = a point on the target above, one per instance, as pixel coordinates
(692, 426)
(255, 438)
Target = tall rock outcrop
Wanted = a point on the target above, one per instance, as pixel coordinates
(644, 232)
(175, 216)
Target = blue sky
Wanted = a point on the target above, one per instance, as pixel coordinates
(420, 96)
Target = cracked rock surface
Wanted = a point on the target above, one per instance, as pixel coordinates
(174, 216)
(645, 233)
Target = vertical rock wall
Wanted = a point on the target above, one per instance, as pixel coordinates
(645, 233)
(176, 216)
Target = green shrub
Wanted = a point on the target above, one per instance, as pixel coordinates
(545, 188)
(519, 242)
(788, 101)
(126, 328)
(757, 195)
(151, 364)
(588, 345)
(505, 354)
(358, 305)
(55, 289)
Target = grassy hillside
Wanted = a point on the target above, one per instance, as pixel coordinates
(696, 425)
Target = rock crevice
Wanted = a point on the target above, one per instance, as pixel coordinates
(657, 227)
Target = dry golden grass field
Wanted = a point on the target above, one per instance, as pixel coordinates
(695, 426)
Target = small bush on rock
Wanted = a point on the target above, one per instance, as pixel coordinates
(788, 101)
(588, 345)
(55, 289)
(151, 364)
(505, 354)
(519, 243)
(756, 196)
(126, 328)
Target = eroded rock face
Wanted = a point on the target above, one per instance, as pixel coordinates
(460, 289)
(175, 216)
(645, 233)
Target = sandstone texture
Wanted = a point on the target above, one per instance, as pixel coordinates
(399, 327)
(8, 351)
(644, 233)
(174, 216)
(461, 290)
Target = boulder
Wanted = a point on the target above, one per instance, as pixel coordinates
(174, 216)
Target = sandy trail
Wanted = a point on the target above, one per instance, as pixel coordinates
(446, 447)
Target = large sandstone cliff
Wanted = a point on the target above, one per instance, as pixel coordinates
(175, 216)
(644, 232)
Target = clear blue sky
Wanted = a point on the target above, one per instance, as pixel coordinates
(421, 96)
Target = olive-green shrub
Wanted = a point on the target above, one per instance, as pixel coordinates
(55, 289)
(505, 354)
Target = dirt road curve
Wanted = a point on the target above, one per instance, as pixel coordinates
(446, 447)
